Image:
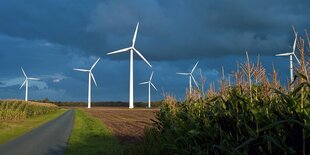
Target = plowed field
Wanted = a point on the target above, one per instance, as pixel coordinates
(127, 125)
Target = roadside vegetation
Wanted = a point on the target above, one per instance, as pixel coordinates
(13, 110)
(250, 114)
(90, 136)
(19, 117)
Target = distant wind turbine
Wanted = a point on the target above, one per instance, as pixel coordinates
(90, 77)
(131, 49)
(291, 54)
(26, 82)
(191, 77)
(150, 84)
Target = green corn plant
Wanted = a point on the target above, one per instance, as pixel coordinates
(18, 110)
(256, 115)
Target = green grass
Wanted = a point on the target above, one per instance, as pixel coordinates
(12, 129)
(90, 136)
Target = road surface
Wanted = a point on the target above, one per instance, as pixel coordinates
(48, 139)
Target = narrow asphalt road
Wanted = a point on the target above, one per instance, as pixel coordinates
(48, 139)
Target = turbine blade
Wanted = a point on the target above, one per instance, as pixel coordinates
(142, 57)
(119, 51)
(33, 79)
(81, 70)
(135, 35)
(24, 72)
(194, 80)
(144, 82)
(23, 84)
(296, 58)
(284, 54)
(294, 46)
(195, 67)
(183, 73)
(153, 86)
(92, 76)
(94, 64)
(151, 76)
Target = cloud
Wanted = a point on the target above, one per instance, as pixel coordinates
(56, 80)
(50, 38)
(52, 63)
(197, 29)
(200, 29)
(18, 81)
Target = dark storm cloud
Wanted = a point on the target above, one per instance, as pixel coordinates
(49, 38)
(200, 28)
(192, 29)
(58, 21)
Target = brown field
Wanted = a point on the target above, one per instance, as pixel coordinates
(127, 125)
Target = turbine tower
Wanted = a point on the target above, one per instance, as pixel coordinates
(291, 54)
(90, 77)
(191, 77)
(150, 84)
(132, 49)
(26, 82)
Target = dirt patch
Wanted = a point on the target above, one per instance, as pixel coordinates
(126, 124)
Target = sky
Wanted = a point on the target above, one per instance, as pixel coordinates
(49, 38)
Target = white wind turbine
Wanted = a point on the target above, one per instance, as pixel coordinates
(150, 84)
(90, 77)
(131, 49)
(26, 82)
(291, 54)
(191, 77)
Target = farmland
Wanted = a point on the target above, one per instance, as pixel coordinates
(127, 125)
(109, 130)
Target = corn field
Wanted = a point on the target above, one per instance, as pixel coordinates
(19, 110)
(250, 114)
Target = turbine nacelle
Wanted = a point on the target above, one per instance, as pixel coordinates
(89, 71)
(132, 47)
(293, 52)
(129, 49)
(149, 82)
(191, 73)
(27, 78)
(25, 83)
(90, 78)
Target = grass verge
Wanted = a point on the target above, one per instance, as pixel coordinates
(12, 129)
(89, 136)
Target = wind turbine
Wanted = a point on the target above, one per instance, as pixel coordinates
(131, 49)
(191, 77)
(291, 54)
(150, 84)
(90, 77)
(26, 82)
